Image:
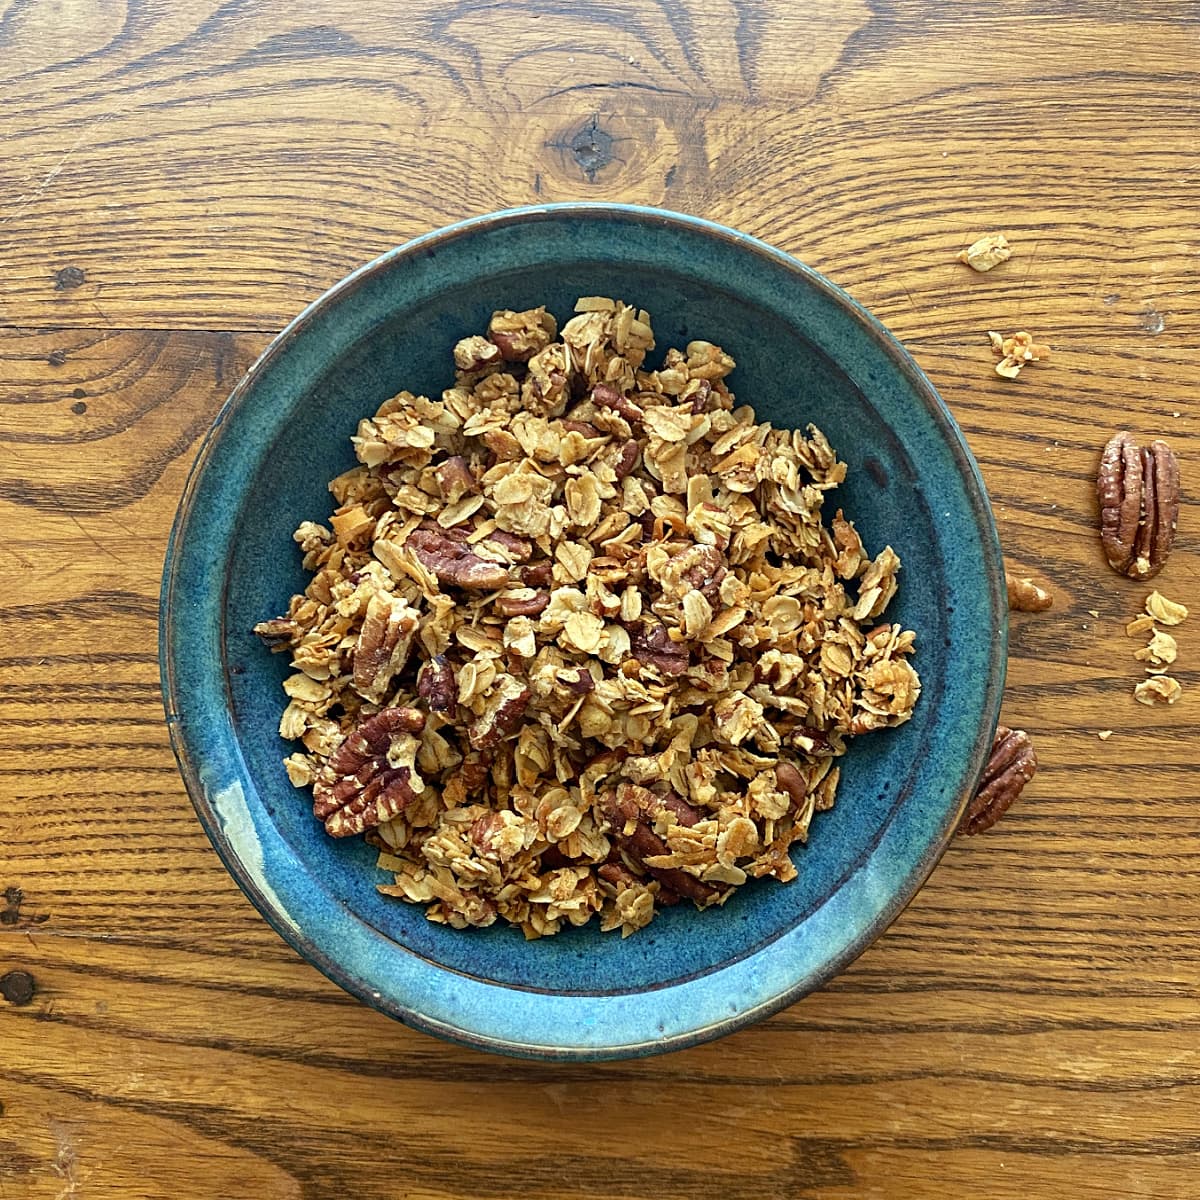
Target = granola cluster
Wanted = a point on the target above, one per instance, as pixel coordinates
(986, 252)
(1015, 351)
(578, 642)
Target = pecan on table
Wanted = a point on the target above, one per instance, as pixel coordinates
(1011, 766)
(362, 789)
(1025, 596)
(1138, 490)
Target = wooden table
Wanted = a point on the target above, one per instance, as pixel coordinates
(178, 180)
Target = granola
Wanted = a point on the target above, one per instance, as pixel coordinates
(986, 252)
(1158, 689)
(578, 640)
(1015, 351)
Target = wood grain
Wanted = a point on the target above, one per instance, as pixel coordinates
(177, 181)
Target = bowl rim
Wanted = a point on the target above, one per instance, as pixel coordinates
(186, 755)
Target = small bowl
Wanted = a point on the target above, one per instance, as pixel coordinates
(805, 352)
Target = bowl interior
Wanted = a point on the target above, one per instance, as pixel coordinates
(804, 354)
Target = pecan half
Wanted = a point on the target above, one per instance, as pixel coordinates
(277, 634)
(517, 548)
(437, 686)
(1138, 491)
(1011, 766)
(501, 715)
(792, 782)
(473, 772)
(538, 574)
(622, 809)
(373, 737)
(455, 478)
(706, 572)
(581, 685)
(627, 459)
(699, 394)
(383, 644)
(454, 562)
(684, 812)
(608, 396)
(650, 803)
(520, 335)
(362, 789)
(522, 606)
(490, 835)
(618, 874)
(377, 793)
(586, 428)
(1025, 596)
(652, 646)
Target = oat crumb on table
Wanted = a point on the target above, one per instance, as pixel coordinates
(1158, 689)
(1015, 351)
(1164, 611)
(986, 252)
(580, 638)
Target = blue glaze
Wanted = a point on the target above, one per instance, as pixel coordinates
(805, 352)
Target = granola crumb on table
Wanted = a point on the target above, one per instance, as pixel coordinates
(986, 252)
(578, 641)
(1015, 351)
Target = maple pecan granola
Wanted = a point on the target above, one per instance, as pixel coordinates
(578, 641)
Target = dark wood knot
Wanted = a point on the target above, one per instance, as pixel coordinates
(68, 277)
(17, 987)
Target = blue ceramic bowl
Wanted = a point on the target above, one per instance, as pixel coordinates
(805, 352)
